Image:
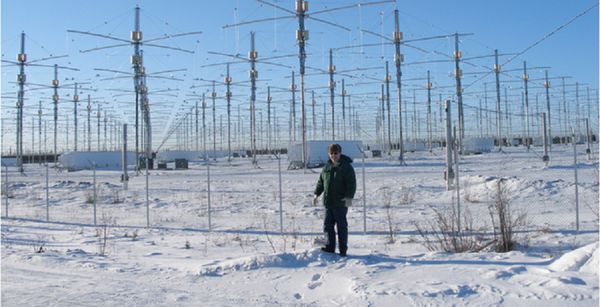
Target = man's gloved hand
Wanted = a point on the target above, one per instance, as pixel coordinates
(315, 199)
(347, 201)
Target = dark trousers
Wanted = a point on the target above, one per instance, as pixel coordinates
(337, 216)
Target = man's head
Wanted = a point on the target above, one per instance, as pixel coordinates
(335, 152)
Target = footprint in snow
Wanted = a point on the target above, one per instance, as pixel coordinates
(315, 282)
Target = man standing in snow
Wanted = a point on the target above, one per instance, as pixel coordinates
(337, 183)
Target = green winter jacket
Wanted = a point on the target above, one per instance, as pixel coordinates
(336, 183)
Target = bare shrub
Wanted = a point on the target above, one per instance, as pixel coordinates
(444, 233)
(468, 192)
(239, 239)
(116, 199)
(5, 192)
(505, 221)
(133, 235)
(294, 233)
(103, 233)
(89, 197)
(264, 219)
(387, 205)
(405, 196)
(38, 245)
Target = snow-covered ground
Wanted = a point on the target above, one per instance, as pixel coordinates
(245, 259)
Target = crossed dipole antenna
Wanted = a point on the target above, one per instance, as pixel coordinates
(253, 73)
(301, 14)
(397, 41)
(21, 80)
(228, 82)
(139, 76)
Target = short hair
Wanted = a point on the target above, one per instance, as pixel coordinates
(334, 148)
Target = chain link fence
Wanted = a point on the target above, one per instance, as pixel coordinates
(247, 199)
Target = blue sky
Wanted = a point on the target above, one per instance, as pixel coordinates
(509, 26)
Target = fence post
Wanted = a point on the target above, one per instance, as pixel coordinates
(545, 158)
(124, 176)
(280, 196)
(576, 180)
(47, 196)
(95, 198)
(5, 190)
(457, 185)
(589, 140)
(147, 194)
(364, 195)
(449, 175)
(208, 192)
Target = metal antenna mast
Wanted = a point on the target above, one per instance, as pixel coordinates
(98, 115)
(21, 58)
(40, 129)
(314, 118)
(343, 94)
(75, 101)
(269, 99)
(301, 38)
(252, 55)
(55, 102)
(293, 89)
(398, 58)
(498, 115)
(228, 96)
(89, 137)
(196, 136)
(21, 79)
(388, 78)
(213, 95)
(458, 74)
(526, 80)
(429, 85)
(547, 87)
(332, 93)
(136, 60)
